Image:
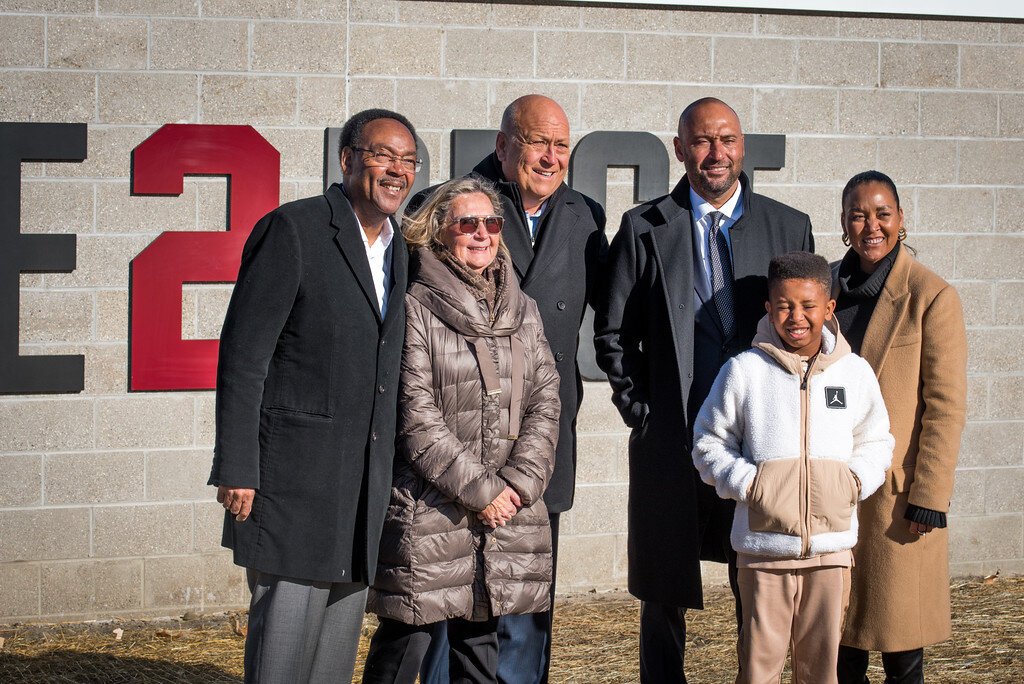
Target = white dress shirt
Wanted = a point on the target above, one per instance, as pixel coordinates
(380, 262)
(731, 212)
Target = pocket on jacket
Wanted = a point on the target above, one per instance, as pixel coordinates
(902, 478)
(833, 494)
(774, 502)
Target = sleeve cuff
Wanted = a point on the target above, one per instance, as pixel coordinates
(925, 516)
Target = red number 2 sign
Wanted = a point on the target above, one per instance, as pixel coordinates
(160, 359)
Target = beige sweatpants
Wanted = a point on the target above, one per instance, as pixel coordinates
(799, 608)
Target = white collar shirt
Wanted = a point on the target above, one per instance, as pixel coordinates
(731, 211)
(379, 258)
(533, 221)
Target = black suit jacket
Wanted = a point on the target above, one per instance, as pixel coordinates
(662, 349)
(307, 386)
(561, 272)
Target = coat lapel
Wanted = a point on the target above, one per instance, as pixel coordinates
(343, 219)
(517, 238)
(890, 312)
(399, 281)
(555, 230)
(673, 249)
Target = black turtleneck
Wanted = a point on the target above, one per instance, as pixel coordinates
(858, 294)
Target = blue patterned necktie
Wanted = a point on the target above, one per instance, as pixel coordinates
(721, 274)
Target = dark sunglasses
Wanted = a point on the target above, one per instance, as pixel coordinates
(469, 224)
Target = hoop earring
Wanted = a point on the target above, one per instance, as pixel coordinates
(902, 234)
(846, 239)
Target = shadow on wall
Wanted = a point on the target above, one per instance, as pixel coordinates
(68, 666)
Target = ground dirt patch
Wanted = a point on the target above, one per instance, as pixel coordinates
(595, 643)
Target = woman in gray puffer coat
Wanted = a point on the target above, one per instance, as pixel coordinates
(466, 536)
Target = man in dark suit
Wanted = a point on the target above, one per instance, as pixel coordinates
(556, 238)
(686, 287)
(306, 405)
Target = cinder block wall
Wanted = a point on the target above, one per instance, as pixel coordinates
(103, 506)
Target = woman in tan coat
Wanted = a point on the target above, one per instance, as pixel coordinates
(908, 323)
(466, 536)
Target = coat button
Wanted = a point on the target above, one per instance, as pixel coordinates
(383, 342)
(380, 389)
(559, 356)
(561, 306)
(681, 306)
(373, 436)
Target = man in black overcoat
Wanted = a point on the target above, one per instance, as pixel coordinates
(306, 405)
(686, 287)
(556, 238)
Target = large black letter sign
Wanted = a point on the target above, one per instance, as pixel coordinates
(32, 254)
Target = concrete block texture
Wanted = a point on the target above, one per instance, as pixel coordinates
(142, 530)
(93, 478)
(368, 51)
(265, 100)
(260, 9)
(22, 481)
(199, 45)
(570, 55)
(792, 111)
(987, 538)
(878, 112)
(954, 210)
(673, 58)
(994, 350)
(174, 581)
(91, 587)
(144, 421)
(488, 53)
(25, 41)
(443, 104)
(992, 444)
(838, 63)
(755, 60)
(991, 67)
(159, 8)
(148, 98)
(19, 590)
(1006, 294)
(1002, 165)
(960, 114)
(919, 65)
(286, 47)
(46, 424)
(96, 43)
(44, 534)
(179, 475)
(47, 96)
(55, 316)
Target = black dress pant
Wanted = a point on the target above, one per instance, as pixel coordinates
(396, 651)
(902, 667)
(663, 626)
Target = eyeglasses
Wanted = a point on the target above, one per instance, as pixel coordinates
(385, 159)
(469, 224)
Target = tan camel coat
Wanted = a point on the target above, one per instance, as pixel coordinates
(917, 344)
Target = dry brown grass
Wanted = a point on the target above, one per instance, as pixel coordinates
(595, 643)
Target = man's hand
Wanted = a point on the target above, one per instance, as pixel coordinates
(501, 510)
(238, 501)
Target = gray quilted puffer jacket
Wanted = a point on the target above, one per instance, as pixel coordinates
(459, 445)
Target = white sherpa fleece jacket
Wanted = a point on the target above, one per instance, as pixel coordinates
(786, 445)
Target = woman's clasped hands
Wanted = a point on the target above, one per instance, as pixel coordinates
(501, 510)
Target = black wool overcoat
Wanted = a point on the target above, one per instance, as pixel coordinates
(561, 272)
(307, 386)
(659, 346)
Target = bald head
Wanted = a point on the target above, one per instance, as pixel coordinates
(533, 147)
(710, 145)
(697, 107)
(532, 107)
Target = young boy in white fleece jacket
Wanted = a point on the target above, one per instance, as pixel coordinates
(795, 430)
